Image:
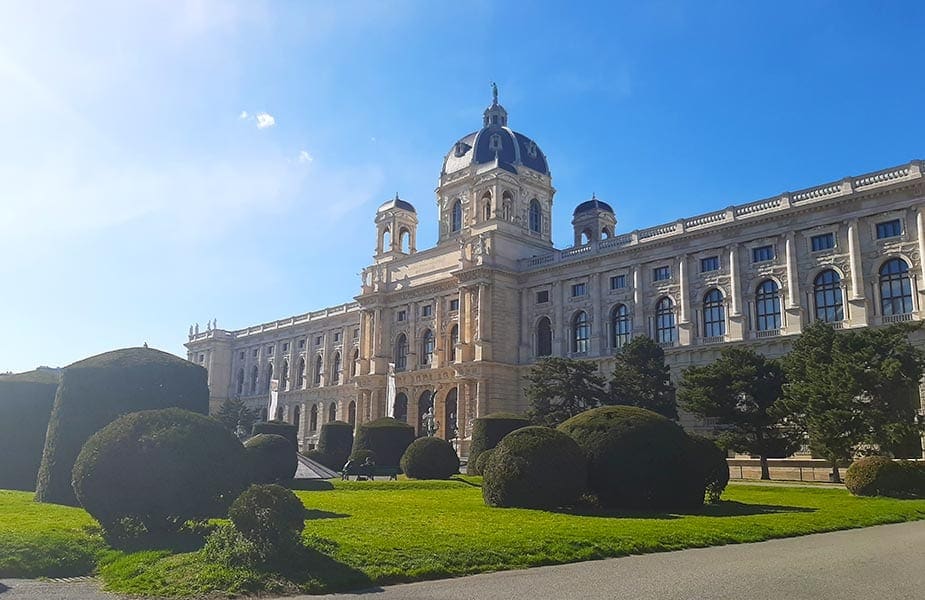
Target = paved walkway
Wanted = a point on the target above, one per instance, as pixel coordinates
(860, 564)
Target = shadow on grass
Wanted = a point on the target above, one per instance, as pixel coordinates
(310, 485)
(725, 508)
(185, 540)
(312, 514)
(461, 480)
(3, 588)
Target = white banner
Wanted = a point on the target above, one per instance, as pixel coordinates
(390, 392)
(274, 399)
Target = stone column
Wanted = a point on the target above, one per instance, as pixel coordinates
(682, 279)
(559, 327)
(598, 328)
(734, 283)
(793, 285)
(639, 312)
(920, 231)
(854, 261)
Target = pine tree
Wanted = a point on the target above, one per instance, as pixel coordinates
(561, 388)
(641, 378)
(234, 413)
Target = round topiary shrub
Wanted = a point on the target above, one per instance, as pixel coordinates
(881, 476)
(97, 390)
(25, 406)
(271, 517)
(159, 468)
(710, 465)
(487, 431)
(271, 457)
(288, 431)
(387, 438)
(637, 458)
(535, 467)
(483, 459)
(430, 458)
(359, 456)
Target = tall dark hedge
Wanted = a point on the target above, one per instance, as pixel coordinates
(97, 390)
(709, 460)
(535, 467)
(637, 458)
(387, 438)
(159, 468)
(487, 431)
(25, 406)
(271, 458)
(336, 441)
(288, 431)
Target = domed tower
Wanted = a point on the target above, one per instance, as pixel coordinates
(593, 221)
(396, 228)
(497, 180)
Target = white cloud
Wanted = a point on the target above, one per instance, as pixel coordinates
(265, 120)
(243, 115)
(305, 157)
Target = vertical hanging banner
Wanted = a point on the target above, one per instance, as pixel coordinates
(390, 392)
(274, 399)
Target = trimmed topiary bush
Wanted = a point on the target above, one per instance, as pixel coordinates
(711, 465)
(360, 456)
(25, 406)
(96, 391)
(483, 459)
(535, 467)
(271, 517)
(288, 431)
(487, 431)
(881, 476)
(430, 458)
(158, 469)
(387, 438)
(271, 458)
(323, 459)
(637, 458)
(336, 442)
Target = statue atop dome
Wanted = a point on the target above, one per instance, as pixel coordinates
(494, 93)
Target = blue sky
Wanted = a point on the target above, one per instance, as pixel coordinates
(136, 200)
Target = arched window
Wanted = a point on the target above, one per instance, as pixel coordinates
(296, 417)
(353, 362)
(332, 412)
(352, 412)
(427, 347)
(401, 407)
(506, 201)
(827, 292)
(386, 240)
(335, 369)
(404, 240)
(767, 305)
(456, 217)
(605, 233)
(895, 288)
(620, 326)
(454, 339)
(313, 418)
(255, 374)
(300, 373)
(536, 216)
(401, 352)
(714, 314)
(319, 369)
(664, 321)
(240, 386)
(581, 332)
(585, 237)
(266, 385)
(543, 337)
(263, 414)
(279, 413)
(425, 403)
(284, 376)
(486, 206)
(450, 413)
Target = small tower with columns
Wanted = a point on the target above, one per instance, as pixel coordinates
(396, 228)
(593, 221)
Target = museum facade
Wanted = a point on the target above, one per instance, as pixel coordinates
(457, 326)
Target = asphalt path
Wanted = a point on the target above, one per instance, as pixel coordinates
(885, 562)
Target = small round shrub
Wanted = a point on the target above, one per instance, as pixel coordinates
(336, 442)
(388, 438)
(288, 431)
(272, 458)
(158, 469)
(487, 431)
(271, 517)
(881, 476)
(430, 458)
(483, 459)
(637, 458)
(710, 465)
(535, 467)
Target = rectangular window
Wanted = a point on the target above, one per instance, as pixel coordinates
(269, 350)
(542, 297)
(578, 289)
(255, 352)
(762, 254)
(336, 337)
(301, 344)
(402, 315)
(356, 334)
(427, 310)
(202, 358)
(710, 263)
(618, 282)
(318, 340)
(242, 354)
(454, 304)
(661, 273)
(825, 241)
(889, 229)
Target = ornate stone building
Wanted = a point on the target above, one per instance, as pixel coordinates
(463, 321)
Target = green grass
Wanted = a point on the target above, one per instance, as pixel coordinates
(373, 533)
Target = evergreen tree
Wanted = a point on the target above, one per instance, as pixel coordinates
(854, 389)
(234, 413)
(641, 378)
(742, 390)
(561, 388)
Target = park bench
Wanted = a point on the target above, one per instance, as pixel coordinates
(371, 472)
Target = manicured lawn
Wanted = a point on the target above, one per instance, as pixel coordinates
(365, 533)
